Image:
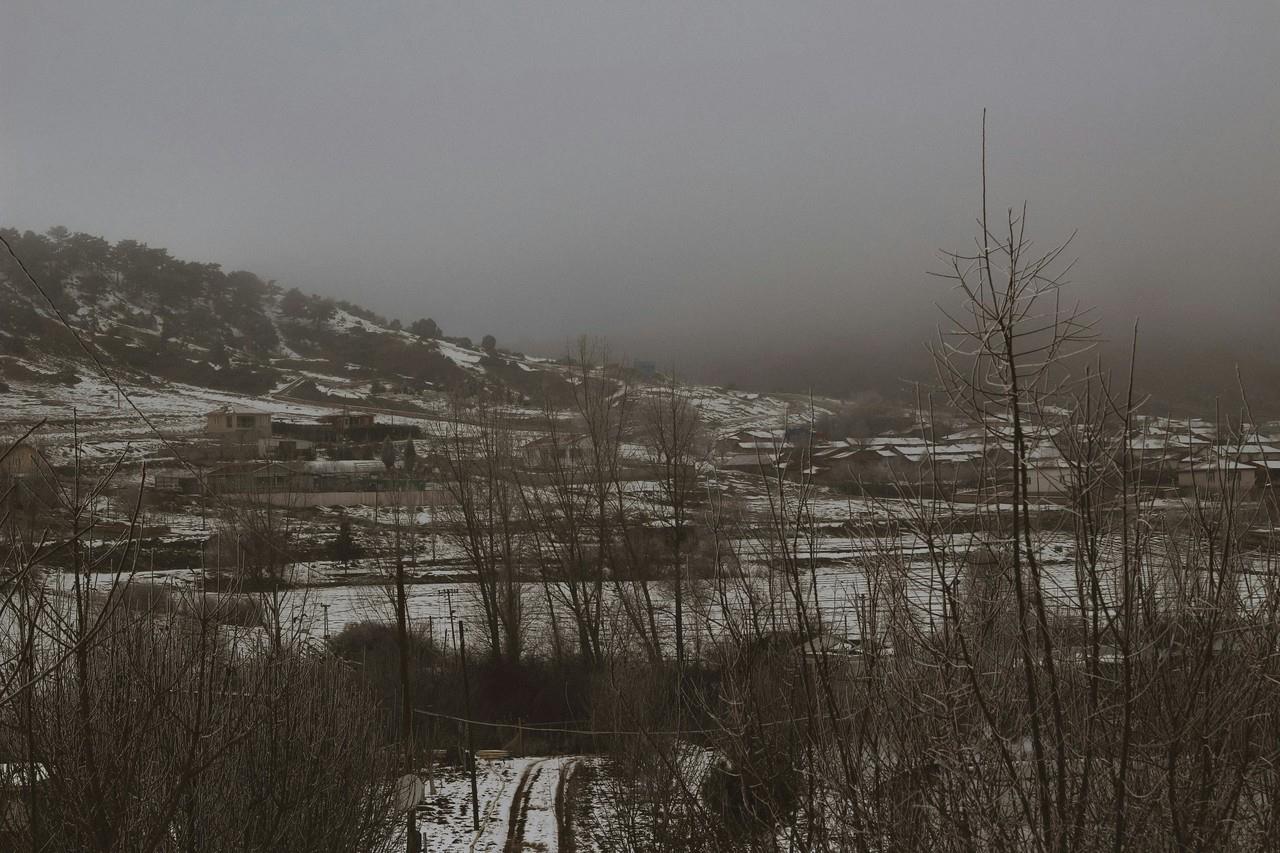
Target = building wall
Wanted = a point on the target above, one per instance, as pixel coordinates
(1049, 481)
(410, 498)
(1213, 480)
(253, 425)
(22, 461)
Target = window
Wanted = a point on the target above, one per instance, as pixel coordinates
(245, 422)
(230, 422)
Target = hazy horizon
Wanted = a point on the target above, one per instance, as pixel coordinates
(753, 193)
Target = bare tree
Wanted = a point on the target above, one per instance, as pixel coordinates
(477, 460)
(571, 498)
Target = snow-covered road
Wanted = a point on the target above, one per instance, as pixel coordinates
(535, 820)
(518, 798)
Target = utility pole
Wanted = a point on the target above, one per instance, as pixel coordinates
(679, 624)
(325, 607)
(448, 596)
(406, 698)
(471, 746)
(431, 723)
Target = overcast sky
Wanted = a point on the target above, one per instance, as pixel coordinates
(750, 190)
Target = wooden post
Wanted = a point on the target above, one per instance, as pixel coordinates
(406, 696)
(471, 746)
(679, 623)
(431, 756)
(431, 721)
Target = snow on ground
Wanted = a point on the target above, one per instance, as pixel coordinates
(732, 410)
(445, 818)
(343, 320)
(537, 821)
(464, 358)
(103, 422)
(178, 410)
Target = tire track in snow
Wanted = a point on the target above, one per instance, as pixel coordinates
(564, 820)
(539, 819)
(520, 808)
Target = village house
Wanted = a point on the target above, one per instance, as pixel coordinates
(749, 449)
(339, 429)
(879, 463)
(22, 461)
(845, 466)
(178, 480)
(956, 464)
(346, 421)
(1049, 478)
(238, 424)
(944, 463)
(1268, 473)
(1216, 475)
(1156, 451)
(27, 481)
(732, 442)
(285, 448)
(1248, 451)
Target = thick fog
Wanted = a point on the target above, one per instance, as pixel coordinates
(755, 192)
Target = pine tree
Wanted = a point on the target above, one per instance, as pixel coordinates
(344, 548)
(425, 328)
(410, 458)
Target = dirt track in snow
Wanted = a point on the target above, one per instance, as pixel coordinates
(537, 820)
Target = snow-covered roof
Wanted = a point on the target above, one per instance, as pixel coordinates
(965, 434)
(958, 449)
(1247, 449)
(1045, 450)
(896, 441)
(344, 466)
(1216, 465)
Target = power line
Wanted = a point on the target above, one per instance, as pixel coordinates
(594, 732)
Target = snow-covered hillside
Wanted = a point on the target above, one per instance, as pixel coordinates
(182, 338)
